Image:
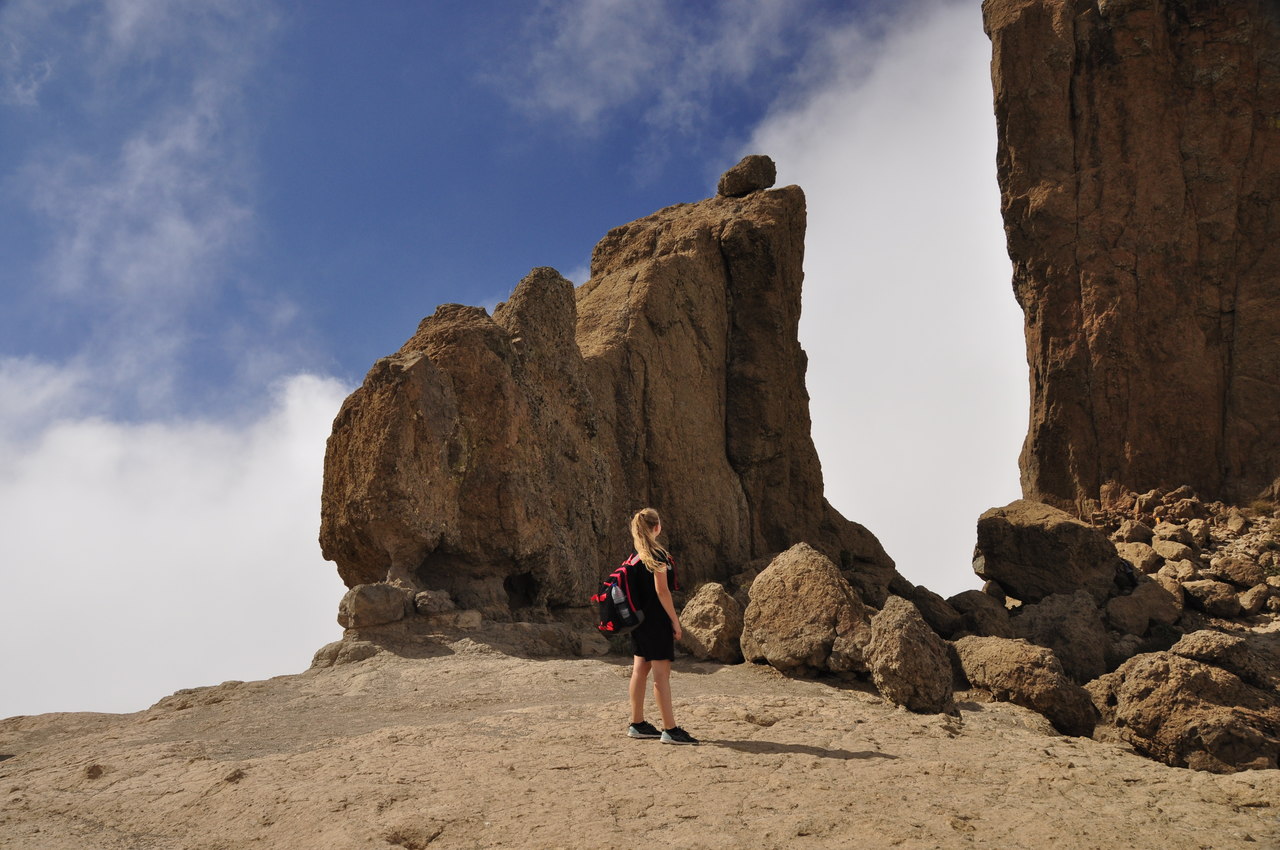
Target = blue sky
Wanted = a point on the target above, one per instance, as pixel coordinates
(218, 214)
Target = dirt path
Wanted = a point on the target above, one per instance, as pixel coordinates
(476, 749)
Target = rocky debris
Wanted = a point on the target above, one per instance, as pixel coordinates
(712, 624)
(1136, 167)
(1241, 572)
(804, 617)
(1237, 654)
(1253, 600)
(981, 614)
(1132, 531)
(751, 174)
(1140, 556)
(1187, 713)
(1030, 676)
(374, 605)
(908, 661)
(430, 602)
(937, 612)
(499, 458)
(1033, 550)
(1071, 625)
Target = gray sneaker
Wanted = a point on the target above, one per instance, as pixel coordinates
(643, 729)
(676, 735)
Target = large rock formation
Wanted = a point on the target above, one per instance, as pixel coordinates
(1139, 159)
(499, 458)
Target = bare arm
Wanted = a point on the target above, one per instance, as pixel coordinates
(664, 596)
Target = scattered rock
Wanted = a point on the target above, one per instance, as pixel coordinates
(1242, 572)
(937, 612)
(1132, 531)
(1030, 676)
(430, 602)
(1189, 714)
(712, 623)
(751, 174)
(1071, 625)
(1215, 598)
(1034, 551)
(1143, 558)
(1173, 531)
(374, 605)
(908, 661)
(800, 606)
(1148, 603)
(981, 614)
(1172, 550)
(1233, 653)
(1254, 600)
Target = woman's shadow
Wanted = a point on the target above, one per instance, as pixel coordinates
(768, 747)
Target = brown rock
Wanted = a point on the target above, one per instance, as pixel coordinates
(712, 624)
(1180, 571)
(1240, 571)
(800, 606)
(1034, 550)
(1199, 531)
(1030, 676)
(1189, 714)
(374, 605)
(1148, 603)
(499, 458)
(1172, 550)
(908, 661)
(1137, 168)
(1237, 654)
(1254, 599)
(1215, 598)
(1132, 531)
(981, 614)
(1175, 532)
(1071, 625)
(1143, 558)
(937, 612)
(753, 173)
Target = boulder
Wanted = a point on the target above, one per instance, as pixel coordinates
(1030, 676)
(1071, 625)
(1138, 226)
(909, 662)
(1141, 556)
(800, 607)
(1254, 599)
(1132, 531)
(1240, 571)
(1172, 550)
(500, 457)
(1173, 531)
(1215, 598)
(1189, 714)
(712, 624)
(1034, 551)
(937, 612)
(1148, 603)
(1236, 654)
(981, 614)
(432, 602)
(751, 174)
(374, 605)
(1199, 531)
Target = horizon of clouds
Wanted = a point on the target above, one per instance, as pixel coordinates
(176, 544)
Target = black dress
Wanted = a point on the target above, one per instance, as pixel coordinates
(654, 639)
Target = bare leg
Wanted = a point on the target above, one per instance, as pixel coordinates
(662, 691)
(639, 678)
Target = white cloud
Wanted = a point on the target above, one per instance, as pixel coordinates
(139, 559)
(916, 361)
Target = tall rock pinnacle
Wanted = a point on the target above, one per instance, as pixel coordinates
(500, 458)
(1139, 165)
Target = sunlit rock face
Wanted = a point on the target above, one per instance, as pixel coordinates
(1139, 165)
(500, 457)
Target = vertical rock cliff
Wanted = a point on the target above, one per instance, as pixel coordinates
(500, 458)
(1139, 165)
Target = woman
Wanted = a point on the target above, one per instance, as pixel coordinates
(653, 642)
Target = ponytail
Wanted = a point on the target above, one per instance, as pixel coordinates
(644, 527)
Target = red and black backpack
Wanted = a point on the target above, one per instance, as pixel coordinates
(618, 612)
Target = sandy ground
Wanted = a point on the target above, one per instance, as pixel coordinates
(472, 748)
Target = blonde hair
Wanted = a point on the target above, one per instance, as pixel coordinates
(644, 527)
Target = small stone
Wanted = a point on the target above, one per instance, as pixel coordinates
(1253, 600)
(1172, 550)
(1132, 531)
(1173, 531)
(1215, 598)
(1143, 558)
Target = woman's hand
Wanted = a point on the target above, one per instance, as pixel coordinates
(676, 630)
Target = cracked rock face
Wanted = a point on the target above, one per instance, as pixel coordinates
(1139, 159)
(500, 458)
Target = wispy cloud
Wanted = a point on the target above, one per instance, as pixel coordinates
(592, 59)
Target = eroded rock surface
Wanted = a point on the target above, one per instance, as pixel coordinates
(1030, 676)
(499, 457)
(1139, 163)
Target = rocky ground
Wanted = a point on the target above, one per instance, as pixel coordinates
(464, 746)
